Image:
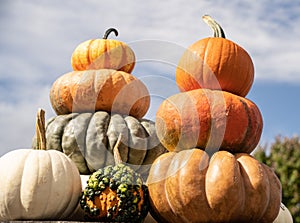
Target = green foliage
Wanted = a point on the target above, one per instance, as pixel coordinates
(284, 157)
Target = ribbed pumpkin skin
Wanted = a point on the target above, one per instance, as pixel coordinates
(103, 54)
(188, 186)
(94, 90)
(209, 119)
(38, 184)
(88, 139)
(215, 63)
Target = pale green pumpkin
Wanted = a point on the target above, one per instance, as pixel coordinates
(88, 139)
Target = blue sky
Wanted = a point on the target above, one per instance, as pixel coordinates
(38, 37)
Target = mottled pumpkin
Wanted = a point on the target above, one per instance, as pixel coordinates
(103, 54)
(115, 193)
(189, 186)
(209, 119)
(94, 90)
(215, 63)
(88, 139)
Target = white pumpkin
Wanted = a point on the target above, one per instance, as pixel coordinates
(38, 184)
(284, 215)
(78, 214)
(84, 179)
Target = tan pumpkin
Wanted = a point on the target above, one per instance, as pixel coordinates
(215, 63)
(189, 186)
(38, 184)
(105, 90)
(210, 120)
(103, 54)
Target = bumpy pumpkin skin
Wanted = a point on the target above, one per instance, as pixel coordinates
(115, 194)
(188, 186)
(38, 184)
(88, 139)
(94, 90)
(209, 120)
(103, 54)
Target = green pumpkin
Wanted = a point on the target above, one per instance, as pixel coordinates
(88, 139)
(115, 194)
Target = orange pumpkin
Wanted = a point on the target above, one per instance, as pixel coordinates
(103, 53)
(208, 119)
(188, 186)
(94, 90)
(215, 63)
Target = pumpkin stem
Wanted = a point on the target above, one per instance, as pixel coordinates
(218, 31)
(106, 34)
(117, 156)
(40, 130)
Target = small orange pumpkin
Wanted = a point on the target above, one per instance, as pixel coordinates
(189, 186)
(215, 63)
(100, 90)
(103, 53)
(208, 119)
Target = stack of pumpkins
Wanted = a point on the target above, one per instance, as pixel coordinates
(96, 102)
(210, 129)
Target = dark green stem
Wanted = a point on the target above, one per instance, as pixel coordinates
(106, 34)
(218, 31)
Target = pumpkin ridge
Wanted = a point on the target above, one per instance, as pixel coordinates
(251, 130)
(136, 140)
(73, 192)
(85, 134)
(25, 156)
(123, 62)
(244, 143)
(112, 134)
(94, 124)
(58, 131)
(50, 186)
(168, 199)
(60, 204)
(89, 54)
(71, 136)
(204, 65)
(210, 145)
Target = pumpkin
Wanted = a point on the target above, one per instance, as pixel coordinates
(208, 119)
(189, 186)
(103, 54)
(88, 139)
(284, 215)
(94, 90)
(215, 63)
(115, 193)
(38, 184)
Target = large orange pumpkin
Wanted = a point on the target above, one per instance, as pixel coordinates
(188, 186)
(208, 119)
(215, 63)
(103, 53)
(104, 89)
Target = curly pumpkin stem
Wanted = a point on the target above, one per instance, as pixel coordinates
(41, 130)
(117, 156)
(218, 31)
(106, 34)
